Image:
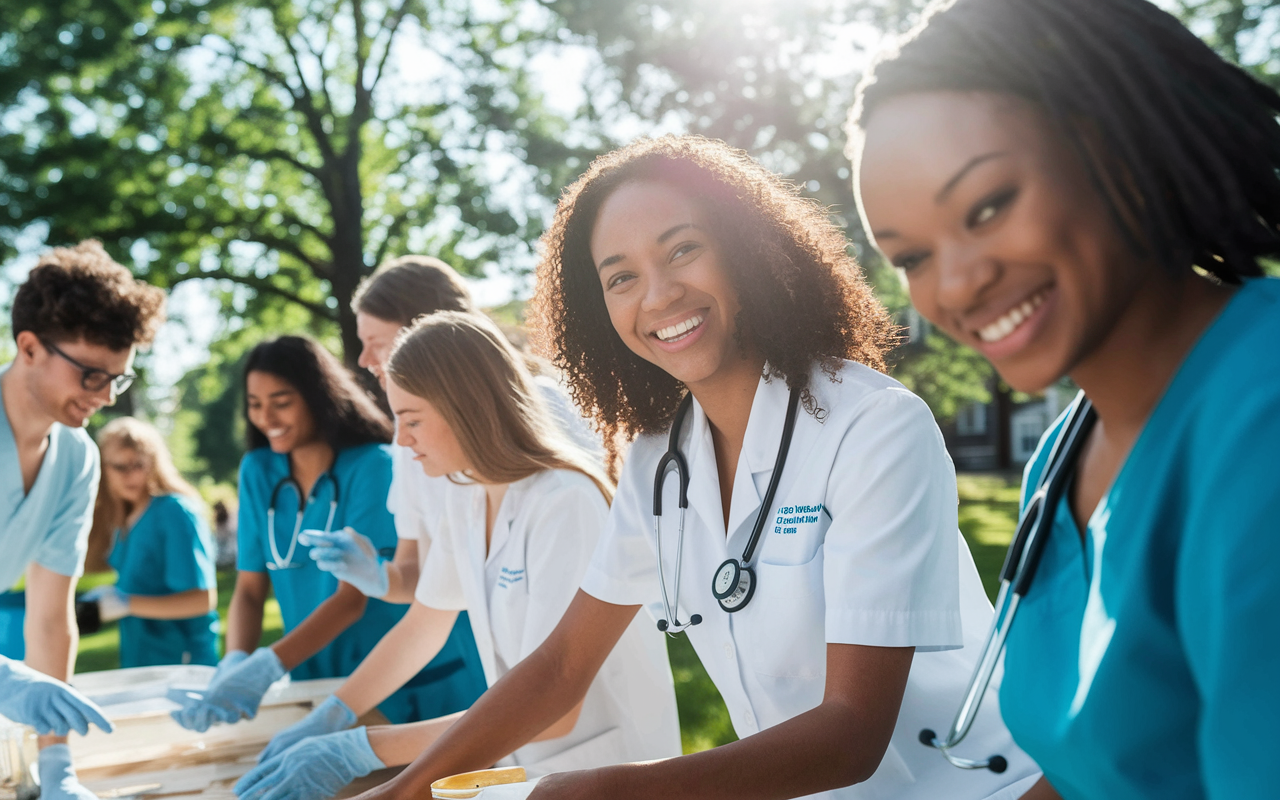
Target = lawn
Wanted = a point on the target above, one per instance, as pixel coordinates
(988, 510)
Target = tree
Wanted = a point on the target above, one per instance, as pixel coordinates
(777, 80)
(286, 146)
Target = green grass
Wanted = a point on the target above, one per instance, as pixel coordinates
(988, 512)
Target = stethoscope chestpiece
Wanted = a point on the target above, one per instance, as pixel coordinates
(733, 585)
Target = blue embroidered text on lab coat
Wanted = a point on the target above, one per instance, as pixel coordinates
(790, 517)
(509, 577)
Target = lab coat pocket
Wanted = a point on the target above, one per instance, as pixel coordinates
(784, 625)
(598, 751)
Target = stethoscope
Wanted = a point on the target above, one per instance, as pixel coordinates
(277, 562)
(1019, 569)
(734, 583)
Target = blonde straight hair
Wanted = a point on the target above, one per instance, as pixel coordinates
(110, 513)
(466, 369)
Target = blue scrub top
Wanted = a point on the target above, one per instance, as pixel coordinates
(452, 681)
(48, 525)
(1144, 660)
(168, 550)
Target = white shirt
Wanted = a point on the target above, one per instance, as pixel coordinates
(861, 547)
(543, 536)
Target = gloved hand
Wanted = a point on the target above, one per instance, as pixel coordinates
(195, 714)
(235, 691)
(46, 704)
(330, 716)
(112, 603)
(349, 556)
(312, 769)
(58, 780)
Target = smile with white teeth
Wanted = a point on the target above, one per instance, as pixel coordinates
(675, 333)
(1008, 323)
(275, 433)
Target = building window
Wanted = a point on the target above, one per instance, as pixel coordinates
(972, 420)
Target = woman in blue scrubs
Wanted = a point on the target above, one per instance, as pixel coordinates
(318, 460)
(1083, 188)
(166, 595)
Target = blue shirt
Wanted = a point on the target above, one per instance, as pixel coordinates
(167, 551)
(1144, 660)
(362, 476)
(50, 524)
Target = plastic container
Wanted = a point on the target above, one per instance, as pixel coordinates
(17, 761)
(508, 783)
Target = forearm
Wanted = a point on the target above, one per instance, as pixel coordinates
(180, 605)
(402, 579)
(49, 629)
(322, 626)
(244, 620)
(1042, 790)
(822, 749)
(525, 702)
(402, 652)
(397, 745)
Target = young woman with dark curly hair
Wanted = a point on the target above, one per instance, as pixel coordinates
(1084, 188)
(698, 304)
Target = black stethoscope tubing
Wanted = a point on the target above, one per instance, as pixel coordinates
(733, 584)
(278, 563)
(1016, 575)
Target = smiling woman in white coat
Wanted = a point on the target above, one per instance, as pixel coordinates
(522, 513)
(784, 502)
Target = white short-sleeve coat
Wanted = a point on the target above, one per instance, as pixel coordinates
(515, 594)
(861, 546)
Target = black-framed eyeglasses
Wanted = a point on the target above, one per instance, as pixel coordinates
(93, 379)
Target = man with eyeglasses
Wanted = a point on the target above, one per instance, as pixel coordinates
(76, 322)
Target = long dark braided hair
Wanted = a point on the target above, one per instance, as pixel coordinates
(1184, 146)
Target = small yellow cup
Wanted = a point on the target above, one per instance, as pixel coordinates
(470, 784)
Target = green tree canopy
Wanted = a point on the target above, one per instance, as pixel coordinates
(286, 146)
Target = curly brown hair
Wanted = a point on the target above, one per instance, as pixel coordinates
(803, 298)
(82, 293)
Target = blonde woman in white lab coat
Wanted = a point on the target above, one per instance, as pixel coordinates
(680, 274)
(520, 521)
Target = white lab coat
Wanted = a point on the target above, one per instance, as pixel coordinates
(543, 537)
(861, 547)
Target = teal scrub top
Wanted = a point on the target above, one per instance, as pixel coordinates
(167, 551)
(1144, 659)
(50, 524)
(362, 476)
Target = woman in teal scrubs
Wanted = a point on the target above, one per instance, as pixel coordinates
(166, 595)
(318, 460)
(1083, 188)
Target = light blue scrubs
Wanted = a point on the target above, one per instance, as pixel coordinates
(50, 524)
(363, 477)
(168, 550)
(1145, 660)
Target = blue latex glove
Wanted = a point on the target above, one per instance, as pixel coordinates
(195, 715)
(233, 693)
(46, 704)
(349, 556)
(58, 780)
(329, 717)
(313, 769)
